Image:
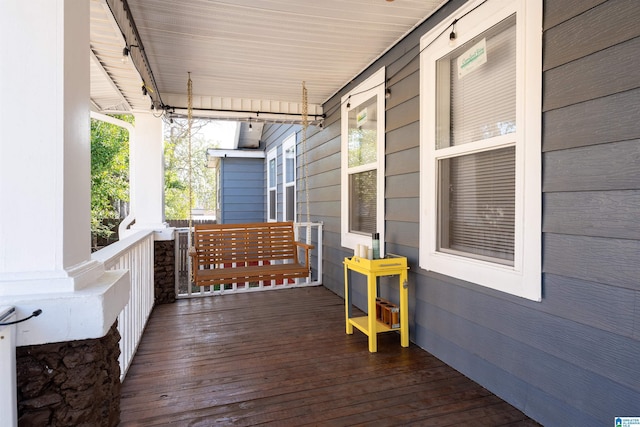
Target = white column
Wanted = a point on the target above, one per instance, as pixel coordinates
(44, 143)
(146, 159)
(45, 151)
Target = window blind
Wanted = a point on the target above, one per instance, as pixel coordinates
(477, 204)
(482, 102)
(476, 197)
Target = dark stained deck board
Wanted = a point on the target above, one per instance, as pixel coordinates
(283, 358)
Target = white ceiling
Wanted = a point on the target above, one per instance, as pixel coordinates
(245, 55)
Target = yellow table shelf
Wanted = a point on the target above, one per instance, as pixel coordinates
(391, 265)
(362, 323)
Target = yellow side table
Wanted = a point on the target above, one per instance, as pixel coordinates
(391, 265)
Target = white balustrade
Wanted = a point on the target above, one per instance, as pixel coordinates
(134, 253)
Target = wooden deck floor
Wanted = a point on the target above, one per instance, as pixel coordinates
(282, 358)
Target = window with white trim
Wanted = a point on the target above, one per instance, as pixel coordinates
(480, 97)
(272, 184)
(363, 142)
(289, 177)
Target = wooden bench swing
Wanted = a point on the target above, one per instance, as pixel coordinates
(244, 253)
(224, 254)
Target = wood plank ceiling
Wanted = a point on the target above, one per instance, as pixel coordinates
(245, 55)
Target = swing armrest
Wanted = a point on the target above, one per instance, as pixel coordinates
(193, 253)
(306, 248)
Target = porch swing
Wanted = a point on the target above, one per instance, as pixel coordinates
(226, 254)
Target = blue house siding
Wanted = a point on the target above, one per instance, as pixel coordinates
(242, 186)
(571, 359)
(273, 136)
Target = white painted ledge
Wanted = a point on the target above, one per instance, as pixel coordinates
(69, 316)
(161, 231)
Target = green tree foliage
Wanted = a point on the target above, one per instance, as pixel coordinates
(109, 172)
(175, 188)
(176, 156)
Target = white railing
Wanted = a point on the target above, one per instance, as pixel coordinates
(8, 398)
(134, 253)
(306, 232)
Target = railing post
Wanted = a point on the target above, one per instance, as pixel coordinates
(319, 252)
(8, 398)
(177, 260)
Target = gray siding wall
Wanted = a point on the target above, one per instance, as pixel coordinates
(574, 358)
(242, 190)
(273, 136)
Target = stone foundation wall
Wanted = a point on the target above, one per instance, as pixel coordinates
(74, 383)
(164, 272)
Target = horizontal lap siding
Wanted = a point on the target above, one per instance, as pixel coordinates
(593, 213)
(273, 136)
(603, 120)
(601, 74)
(591, 216)
(589, 32)
(572, 358)
(323, 158)
(590, 168)
(242, 189)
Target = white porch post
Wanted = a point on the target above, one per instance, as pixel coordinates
(45, 176)
(146, 157)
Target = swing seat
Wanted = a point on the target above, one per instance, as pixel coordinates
(244, 253)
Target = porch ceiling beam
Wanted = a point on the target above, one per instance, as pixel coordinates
(122, 15)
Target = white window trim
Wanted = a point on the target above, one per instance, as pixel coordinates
(272, 155)
(524, 277)
(287, 144)
(374, 85)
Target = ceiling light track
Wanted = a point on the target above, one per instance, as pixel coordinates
(246, 115)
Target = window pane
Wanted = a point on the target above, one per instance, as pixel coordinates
(363, 136)
(272, 173)
(272, 204)
(291, 202)
(362, 202)
(289, 157)
(476, 205)
(479, 98)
